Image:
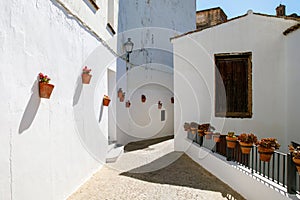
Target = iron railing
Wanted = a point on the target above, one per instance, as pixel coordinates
(280, 170)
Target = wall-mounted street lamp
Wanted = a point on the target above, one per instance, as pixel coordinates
(128, 48)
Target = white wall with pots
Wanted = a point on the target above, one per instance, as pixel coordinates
(292, 60)
(49, 147)
(149, 24)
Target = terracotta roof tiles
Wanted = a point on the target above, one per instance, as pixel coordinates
(291, 29)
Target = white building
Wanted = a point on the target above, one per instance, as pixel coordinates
(150, 25)
(268, 81)
(50, 147)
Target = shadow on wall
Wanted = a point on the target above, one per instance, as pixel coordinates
(78, 90)
(178, 169)
(31, 108)
(101, 112)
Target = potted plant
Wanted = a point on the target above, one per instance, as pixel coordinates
(246, 141)
(127, 104)
(187, 126)
(45, 89)
(143, 98)
(194, 127)
(86, 76)
(122, 98)
(191, 129)
(216, 137)
(295, 156)
(208, 131)
(266, 148)
(159, 104)
(120, 93)
(231, 140)
(106, 100)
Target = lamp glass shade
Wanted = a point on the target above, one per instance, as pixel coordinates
(128, 46)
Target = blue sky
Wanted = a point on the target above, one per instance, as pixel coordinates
(234, 8)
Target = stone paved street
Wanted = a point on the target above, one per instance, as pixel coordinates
(156, 172)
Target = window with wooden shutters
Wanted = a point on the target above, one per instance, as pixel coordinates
(233, 90)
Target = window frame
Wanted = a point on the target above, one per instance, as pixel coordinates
(232, 56)
(94, 4)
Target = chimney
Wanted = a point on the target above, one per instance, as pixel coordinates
(280, 10)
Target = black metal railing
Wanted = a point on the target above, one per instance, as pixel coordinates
(293, 177)
(280, 170)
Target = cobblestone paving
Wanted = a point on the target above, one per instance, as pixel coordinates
(156, 172)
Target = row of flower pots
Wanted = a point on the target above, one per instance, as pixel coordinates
(203, 130)
(121, 96)
(45, 88)
(266, 146)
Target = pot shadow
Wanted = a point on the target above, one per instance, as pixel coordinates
(101, 113)
(176, 168)
(78, 90)
(31, 108)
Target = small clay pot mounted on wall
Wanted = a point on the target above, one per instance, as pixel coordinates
(159, 104)
(127, 104)
(45, 90)
(106, 100)
(143, 98)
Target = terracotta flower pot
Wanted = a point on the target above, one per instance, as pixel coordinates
(246, 147)
(143, 98)
(86, 78)
(265, 154)
(172, 100)
(297, 163)
(120, 93)
(45, 90)
(193, 130)
(159, 105)
(186, 126)
(231, 142)
(122, 98)
(190, 135)
(208, 135)
(106, 101)
(127, 104)
(217, 138)
(201, 132)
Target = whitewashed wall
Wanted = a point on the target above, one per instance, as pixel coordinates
(292, 60)
(43, 154)
(149, 24)
(95, 19)
(194, 76)
(143, 120)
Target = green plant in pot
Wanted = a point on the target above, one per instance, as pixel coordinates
(266, 148)
(246, 141)
(295, 156)
(45, 89)
(216, 137)
(231, 140)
